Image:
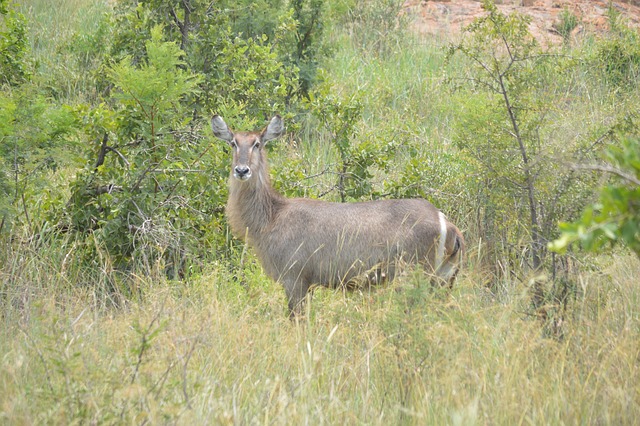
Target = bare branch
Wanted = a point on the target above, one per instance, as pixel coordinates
(480, 82)
(178, 171)
(111, 149)
(103, 150)
(174, 15)
(607, 169)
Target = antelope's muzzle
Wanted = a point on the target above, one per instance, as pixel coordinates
(242, 172)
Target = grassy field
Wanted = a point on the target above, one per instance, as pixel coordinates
(82, 345)
(214, 351)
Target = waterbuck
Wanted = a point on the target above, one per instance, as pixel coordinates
(302, 242)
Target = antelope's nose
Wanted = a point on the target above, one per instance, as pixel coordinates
(242, 172)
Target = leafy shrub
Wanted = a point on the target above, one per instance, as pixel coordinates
(147, 191)
(14, 66)
(255, 54)
(617, 54)
(567, 23)
(516, 163)
(376, 26)
(615, 218)
(500, 127)
(359, 154)
(152, 190)
(37, 138)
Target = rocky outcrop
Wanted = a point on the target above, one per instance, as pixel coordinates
(447, 18)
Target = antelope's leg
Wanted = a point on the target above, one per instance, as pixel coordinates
(296, 291)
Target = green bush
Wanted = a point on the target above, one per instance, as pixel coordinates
(38, 138)
(152, 191)
(615, 217)
(500, 127)
(14, 66)
(617, 55)
(147, 191)
(258, 55)
(568, 22)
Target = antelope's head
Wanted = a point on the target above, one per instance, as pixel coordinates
(246, 146)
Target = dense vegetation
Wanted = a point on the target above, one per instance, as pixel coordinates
(123, 297)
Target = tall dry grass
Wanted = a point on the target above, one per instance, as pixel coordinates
(67, 38)
(217, 351)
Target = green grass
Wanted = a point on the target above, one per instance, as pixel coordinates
(213, 351)
(66, 38)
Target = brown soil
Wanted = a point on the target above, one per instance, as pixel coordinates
(447, 18)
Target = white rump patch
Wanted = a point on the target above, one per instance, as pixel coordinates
(442, 241)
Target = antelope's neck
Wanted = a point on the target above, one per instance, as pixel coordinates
(252, 206)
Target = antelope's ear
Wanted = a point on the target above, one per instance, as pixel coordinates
(220, 129)
(274, 129)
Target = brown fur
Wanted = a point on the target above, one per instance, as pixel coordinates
(303, 242)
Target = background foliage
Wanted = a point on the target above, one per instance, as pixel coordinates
(120, 284)
(145, 185)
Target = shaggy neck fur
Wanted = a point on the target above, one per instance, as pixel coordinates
(253, 204)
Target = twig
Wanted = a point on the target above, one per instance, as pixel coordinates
(145, 343)
(607, 169)
(111, 149)
(26, 213)
(185, 370)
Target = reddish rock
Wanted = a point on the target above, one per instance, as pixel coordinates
(447, 18)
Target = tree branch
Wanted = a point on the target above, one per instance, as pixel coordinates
(103, 151)
(607, 169)
(111, 149)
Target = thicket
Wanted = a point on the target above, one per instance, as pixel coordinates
(514, 94)
(521, 182)
(615, 217)
(125, 173)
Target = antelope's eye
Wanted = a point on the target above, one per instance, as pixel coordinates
(233, 144)
(257, 144)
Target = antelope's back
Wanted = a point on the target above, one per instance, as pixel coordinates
(326, 243)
